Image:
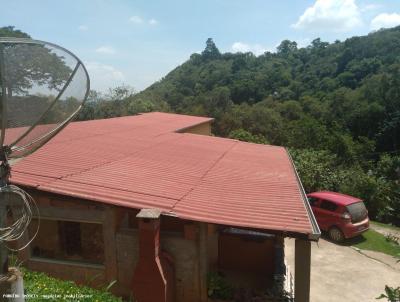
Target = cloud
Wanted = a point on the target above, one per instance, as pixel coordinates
(136, 19)
(153, 22)
(385, 20)
(330, 15)
(370, 7)
(83, 27)
(104, 76)
(257, 49)
(106, 50)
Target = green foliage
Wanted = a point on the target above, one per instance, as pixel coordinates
(31, 65)
(391, 294)
(211, 51)
(40, 287)
(10, 31)
(246, 136)
(317, 169)
(218, 287)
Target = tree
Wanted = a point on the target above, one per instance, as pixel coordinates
(246, 136)
(120, 92)
(211, 51)
(28, 65)
(287, 47)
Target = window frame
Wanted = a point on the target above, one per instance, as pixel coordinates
(82, 263)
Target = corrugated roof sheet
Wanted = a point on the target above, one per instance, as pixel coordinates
(142, 162)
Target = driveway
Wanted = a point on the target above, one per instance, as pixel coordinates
(341, 273)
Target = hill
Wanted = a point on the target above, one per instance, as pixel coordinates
(336, 105)
(352, 86)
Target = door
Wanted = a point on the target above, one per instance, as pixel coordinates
(327, 214)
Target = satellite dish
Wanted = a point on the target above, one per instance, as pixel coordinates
(42, 87)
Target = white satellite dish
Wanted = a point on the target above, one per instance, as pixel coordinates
(42, 87)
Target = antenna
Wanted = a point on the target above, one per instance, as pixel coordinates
(42, 87)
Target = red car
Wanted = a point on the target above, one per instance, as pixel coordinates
(342, 216)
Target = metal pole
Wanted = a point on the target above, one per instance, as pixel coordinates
(4, 175)
(4, 167)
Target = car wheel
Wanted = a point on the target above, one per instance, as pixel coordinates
(336, 234)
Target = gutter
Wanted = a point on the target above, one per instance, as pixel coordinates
(316, 232)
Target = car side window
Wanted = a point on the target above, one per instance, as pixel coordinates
(312, 201)
(329, 206)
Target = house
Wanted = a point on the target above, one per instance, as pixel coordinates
(156, 203)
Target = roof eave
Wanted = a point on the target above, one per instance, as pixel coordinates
(316, 232)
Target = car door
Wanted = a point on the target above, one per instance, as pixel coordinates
(327, 214)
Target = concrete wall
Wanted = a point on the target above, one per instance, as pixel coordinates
(127, 257)
(186, 261)
(184, 254)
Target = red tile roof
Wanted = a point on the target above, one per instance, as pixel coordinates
(142, 162)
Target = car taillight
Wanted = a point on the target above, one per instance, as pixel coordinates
(346, 216)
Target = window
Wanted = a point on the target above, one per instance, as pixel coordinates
(312, 201)
(358, 211)
(68, 241)
(329, 206)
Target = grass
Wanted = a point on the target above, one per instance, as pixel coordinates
(374, 241)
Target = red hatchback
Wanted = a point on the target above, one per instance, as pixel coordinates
(342, 216)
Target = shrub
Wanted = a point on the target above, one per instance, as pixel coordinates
(218, 287)
(391, 294)
(41, 287)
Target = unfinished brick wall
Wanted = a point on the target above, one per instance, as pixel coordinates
(186, 260)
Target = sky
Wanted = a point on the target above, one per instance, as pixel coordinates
(135, 43)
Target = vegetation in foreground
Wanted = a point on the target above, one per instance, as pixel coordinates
(40, 287)
(391, 294)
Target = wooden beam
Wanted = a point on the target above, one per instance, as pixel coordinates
(302, 270)
(110, 251)
(90, 216)
(203, 261)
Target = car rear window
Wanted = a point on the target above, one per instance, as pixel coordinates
(357, 211)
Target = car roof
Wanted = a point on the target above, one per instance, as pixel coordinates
(338, 198)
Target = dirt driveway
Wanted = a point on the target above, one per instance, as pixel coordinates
(341, 273)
